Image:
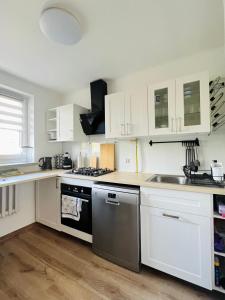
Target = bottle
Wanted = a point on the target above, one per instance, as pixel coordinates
(217, 271)
(217, 171)
(79, 161)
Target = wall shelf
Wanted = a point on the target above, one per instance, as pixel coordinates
(219, 253)
(219, 289)
(218, 216)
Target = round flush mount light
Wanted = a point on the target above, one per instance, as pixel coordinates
(60, 26)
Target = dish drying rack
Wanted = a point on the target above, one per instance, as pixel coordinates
(206, 178)
(217, 102)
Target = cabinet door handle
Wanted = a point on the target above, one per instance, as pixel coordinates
(122, 129)
(180, 121)
(112, 202)
(128, 128)
(177, 124)
(171, 216)
(172, 124)
(57, 183)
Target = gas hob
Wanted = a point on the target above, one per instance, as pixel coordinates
(94, 172)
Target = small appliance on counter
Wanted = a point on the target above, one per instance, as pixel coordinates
(67, 162)
(58, 161)
(45, 163)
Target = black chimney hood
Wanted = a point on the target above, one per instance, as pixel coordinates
(94, 122)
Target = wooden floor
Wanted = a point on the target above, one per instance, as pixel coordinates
(42, 264)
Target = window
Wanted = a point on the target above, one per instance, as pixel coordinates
(16, 127)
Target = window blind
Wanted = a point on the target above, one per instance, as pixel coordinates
(16, 126)
(12, 113)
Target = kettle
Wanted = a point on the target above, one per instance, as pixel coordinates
(45, 163)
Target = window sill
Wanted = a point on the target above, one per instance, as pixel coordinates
(18, 164)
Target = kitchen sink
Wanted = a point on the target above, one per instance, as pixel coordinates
(169, 179)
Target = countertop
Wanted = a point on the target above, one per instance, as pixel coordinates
(138, 179)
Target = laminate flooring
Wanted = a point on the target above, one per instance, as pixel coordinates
(42, 264)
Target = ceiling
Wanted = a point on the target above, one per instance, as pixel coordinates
(119, 37)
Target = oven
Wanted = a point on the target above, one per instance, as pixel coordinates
(76, 207)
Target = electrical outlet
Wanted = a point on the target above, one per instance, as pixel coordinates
(127, 160)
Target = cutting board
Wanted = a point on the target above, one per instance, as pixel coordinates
(107, 156)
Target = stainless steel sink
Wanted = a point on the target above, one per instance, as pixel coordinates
(169, 179)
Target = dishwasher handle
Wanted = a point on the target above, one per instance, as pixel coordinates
(112, 202)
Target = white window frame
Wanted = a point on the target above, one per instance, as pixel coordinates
(27, 136)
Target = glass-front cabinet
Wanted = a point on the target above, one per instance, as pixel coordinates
(179, 106)
(192, 103)
(161, 102)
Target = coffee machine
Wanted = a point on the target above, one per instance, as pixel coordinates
(67, 162)
(45, 163)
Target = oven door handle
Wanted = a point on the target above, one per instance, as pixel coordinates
(83, 200)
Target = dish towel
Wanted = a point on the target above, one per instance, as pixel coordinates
(71, 207)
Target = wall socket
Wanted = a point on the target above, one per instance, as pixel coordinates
(127, 160)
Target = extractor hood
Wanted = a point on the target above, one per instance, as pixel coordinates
(94, 122)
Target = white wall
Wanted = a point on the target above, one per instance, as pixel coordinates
(43, 99)
(160, 158)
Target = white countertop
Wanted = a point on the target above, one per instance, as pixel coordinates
(138, 179)
(29, 177)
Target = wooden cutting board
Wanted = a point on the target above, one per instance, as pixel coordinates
(107, 156)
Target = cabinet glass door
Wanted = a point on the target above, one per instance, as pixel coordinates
(161, 105)
(192, 103)
(161, 108)
(191, 96)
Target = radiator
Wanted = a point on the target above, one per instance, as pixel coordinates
(8, 201)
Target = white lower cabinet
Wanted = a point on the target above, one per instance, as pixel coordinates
(48, 202)
(177, 243)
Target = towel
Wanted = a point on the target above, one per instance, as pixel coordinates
(71, 207)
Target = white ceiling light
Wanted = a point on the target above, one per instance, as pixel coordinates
(60, 26)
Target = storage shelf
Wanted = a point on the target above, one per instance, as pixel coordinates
(219, 253)
(219, 289)
(52, 109)
(52, 119)
(52, 130)
(218, 216)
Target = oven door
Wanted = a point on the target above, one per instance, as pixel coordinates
(76, 212)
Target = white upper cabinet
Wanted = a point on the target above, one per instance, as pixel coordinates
(65, 131)
(115, 115)
(136, 113)
(180, 106)
(161, 103)
(64, 124)
(173, 107)
(192, 103)
(126, 114)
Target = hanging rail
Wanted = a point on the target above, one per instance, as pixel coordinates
(184, 143)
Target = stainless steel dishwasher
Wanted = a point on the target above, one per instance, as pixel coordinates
(116, 224)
